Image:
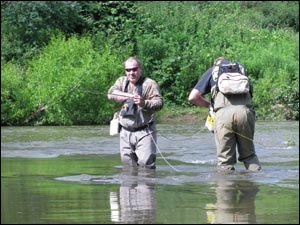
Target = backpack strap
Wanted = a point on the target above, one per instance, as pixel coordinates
(230, 67)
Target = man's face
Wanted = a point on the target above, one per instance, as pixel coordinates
(133, 71)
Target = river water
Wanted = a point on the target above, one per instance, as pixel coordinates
(74, 175)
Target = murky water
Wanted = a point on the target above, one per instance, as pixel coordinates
(74, 175)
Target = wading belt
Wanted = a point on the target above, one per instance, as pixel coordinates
(137, 128)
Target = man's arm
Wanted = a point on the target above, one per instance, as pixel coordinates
(197, 98)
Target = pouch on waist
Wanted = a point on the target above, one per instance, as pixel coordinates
(128, 108)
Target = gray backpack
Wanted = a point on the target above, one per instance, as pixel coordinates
(231, 78)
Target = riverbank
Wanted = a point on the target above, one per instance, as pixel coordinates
(182, 114)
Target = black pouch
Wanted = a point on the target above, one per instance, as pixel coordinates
(128, 108)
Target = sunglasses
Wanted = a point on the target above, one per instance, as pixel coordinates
(134, 69)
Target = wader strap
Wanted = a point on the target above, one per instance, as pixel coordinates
(138, 128)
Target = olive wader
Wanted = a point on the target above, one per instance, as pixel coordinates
(234, 127)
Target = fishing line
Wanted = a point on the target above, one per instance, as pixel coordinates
(243, 136)
(161, 152)
(182, 139)
(97, 92)
(43, 107)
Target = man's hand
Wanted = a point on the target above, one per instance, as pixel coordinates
(138, 100)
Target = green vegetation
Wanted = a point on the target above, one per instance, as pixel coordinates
(58, 59)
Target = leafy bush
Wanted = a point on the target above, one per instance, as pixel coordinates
(64, 80)
(68, 80)
(14, 101)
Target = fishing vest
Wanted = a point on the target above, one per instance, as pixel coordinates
(129, 107)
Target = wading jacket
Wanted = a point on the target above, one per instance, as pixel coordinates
(150, 92)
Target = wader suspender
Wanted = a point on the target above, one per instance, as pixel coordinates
(139, 85)
(126, 85)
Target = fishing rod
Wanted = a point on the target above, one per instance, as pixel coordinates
(99, 92)
(43, 107)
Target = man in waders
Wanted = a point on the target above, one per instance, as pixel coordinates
(234, 118)
(140, 98)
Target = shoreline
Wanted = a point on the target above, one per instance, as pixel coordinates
(171, 114)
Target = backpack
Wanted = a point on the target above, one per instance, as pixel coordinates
(231, 78)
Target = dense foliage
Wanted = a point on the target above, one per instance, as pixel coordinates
(58, 59)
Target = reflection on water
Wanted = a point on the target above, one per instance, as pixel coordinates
(235, 203)
(55, 175)
(136, 203)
